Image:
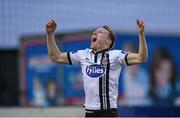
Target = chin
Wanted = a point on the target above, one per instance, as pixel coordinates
(93, 47)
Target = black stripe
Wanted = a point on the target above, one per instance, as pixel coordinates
(69, 58)
(107, 81)
(126, 59)
(100, 88)
(95, 58)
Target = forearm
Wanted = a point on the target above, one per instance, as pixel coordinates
(142, 55)
(53, 50)
(143, 52)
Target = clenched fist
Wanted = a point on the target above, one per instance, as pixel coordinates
(140, 26)
(51, 26)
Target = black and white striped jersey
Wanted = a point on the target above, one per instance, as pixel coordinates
(101, 72)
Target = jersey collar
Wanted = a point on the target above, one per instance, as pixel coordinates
(101, 51)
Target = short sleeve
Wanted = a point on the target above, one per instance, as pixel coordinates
(122, 57)
(74, 57)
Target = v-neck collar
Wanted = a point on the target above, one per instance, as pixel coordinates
(101, 51)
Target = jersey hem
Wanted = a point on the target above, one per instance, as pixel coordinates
(97, 108)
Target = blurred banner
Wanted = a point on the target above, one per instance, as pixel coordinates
(155, 83)
(38, 74)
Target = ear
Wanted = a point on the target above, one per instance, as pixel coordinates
(108, 42)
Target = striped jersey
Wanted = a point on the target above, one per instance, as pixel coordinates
(101, 72)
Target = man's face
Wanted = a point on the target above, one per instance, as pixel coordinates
(98, 38)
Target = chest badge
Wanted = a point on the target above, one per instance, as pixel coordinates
(104, 61)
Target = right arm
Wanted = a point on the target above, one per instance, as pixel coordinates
(142, 55)
(54, 53)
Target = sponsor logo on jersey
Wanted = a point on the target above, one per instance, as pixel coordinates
(95, 70)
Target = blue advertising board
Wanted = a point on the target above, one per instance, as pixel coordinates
(37, 71)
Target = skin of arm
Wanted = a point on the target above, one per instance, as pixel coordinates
(142, 55)
(54, 53)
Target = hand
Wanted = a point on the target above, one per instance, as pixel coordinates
(140, 26)
(51, 26)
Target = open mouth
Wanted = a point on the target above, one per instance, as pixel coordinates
(94, 39)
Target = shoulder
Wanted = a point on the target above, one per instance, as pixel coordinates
(117, 52)
(77, 56)
(81, 53)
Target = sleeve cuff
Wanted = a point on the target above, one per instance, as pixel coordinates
(69, 58)
(126, 61)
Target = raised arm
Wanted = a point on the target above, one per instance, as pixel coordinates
(54, 53)
(142, 55)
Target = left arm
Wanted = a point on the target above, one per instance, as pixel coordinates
(142, 55)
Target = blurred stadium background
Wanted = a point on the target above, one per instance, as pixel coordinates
(30, 85)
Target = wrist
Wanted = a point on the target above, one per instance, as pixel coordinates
(50, 33)
(141, 33)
